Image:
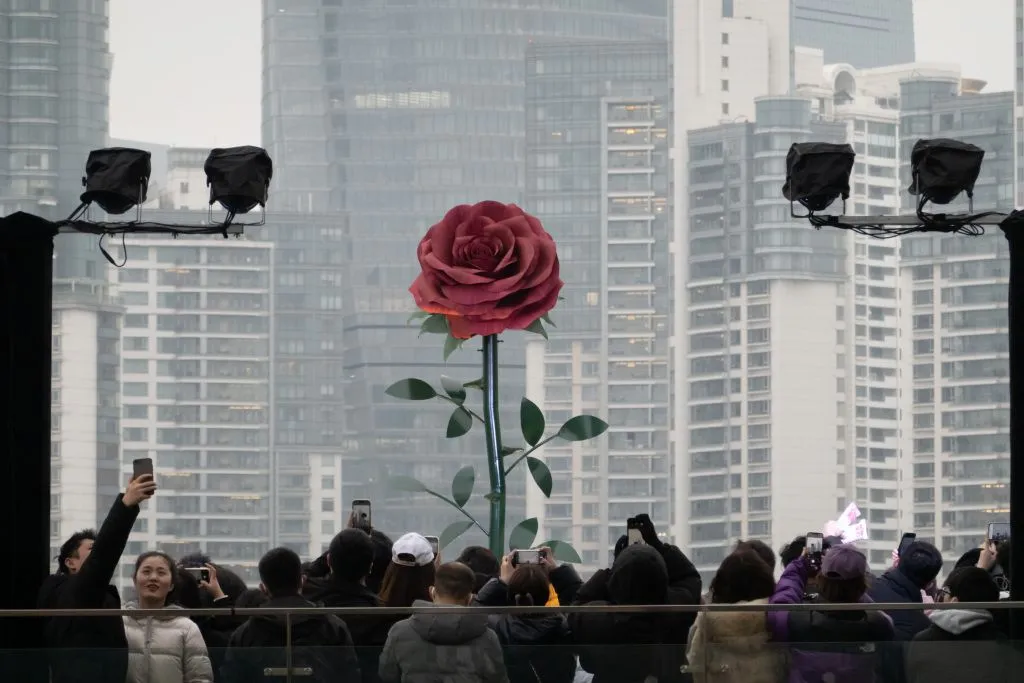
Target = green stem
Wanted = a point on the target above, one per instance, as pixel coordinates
(455, 505)
(526, 453)
(492, 438)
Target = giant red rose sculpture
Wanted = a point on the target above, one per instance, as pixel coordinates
(487, 268)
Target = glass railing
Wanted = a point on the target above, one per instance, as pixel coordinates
(749, 643)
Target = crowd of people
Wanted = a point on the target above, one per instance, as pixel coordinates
(824, 642)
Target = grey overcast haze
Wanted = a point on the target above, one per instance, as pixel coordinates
(187, 72)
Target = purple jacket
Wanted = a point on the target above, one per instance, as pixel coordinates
(842, 644)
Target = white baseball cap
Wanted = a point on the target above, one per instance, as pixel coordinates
(412, 550)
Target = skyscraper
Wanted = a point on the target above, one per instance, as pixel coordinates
(864, 34)
(956, 290)
(598, 176)
(393, 113)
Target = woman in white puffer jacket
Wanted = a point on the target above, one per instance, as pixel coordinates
(163, 649)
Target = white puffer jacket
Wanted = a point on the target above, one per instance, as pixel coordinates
(166, 649)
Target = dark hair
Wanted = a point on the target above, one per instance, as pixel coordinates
(351, 555)
(171, 598)
(454, 580)
(404, 585)
(70, 548)
(481, 560)
(529, 585)
(620, 545)
(743, 576)
(968, 559)
(281, 572)
(842, 591)
(381, 559)
(971, 584)
(1003, 558)
(761, 548)
(921, 562)
(792, 550)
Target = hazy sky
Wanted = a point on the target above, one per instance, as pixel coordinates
(187, 72)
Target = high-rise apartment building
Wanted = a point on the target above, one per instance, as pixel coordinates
(597, 175)
(955, 290)
(864, 34)
(392, 114)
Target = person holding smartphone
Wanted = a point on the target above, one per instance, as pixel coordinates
(89, 649)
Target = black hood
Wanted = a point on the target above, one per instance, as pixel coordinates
(333, 592)
(299, 621)
(541, 629)
(639, 577)
(441, 628)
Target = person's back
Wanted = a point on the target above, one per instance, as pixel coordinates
(963, 645)
(918, 566)
(320, 643)
(837, 646)
(435, 646)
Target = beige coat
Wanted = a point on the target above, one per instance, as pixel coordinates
(166, 650)
(734, 647)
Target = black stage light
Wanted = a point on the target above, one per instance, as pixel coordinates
(239, 177)
(818, 173)
(941, 169)
(116, 178)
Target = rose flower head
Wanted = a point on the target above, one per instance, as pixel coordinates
(488, 268)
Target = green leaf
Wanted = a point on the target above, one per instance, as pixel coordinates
(541, 474)
(453, 531)
(454, 389)
(523, 534)
(509, 450)
(563, 552)
(462, 485)
(547, 319)
(582, 427)
(418, 315)
(475, 384)
(451, 345)
(407, 484)
(537, 327)
(434, 323)
(459, 423)
(411, 389)
(531, 421)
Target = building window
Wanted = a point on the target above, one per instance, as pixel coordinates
(725, 107)
(725, 39)
(184, 187)
(725, 61)
(725, 85)
(727, 8)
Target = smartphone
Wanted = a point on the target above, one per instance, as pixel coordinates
(815, 547)
(527, 557)
(200, 574)
(999, 532)
(633, 534)
(434, 543)
(905, 542)
(142, 466)
(361, 514)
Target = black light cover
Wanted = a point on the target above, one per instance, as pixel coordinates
(239, 177)
(941, 169)
(116, 178)
(818, 173)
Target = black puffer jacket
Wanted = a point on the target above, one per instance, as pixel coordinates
(89, 649)
(370, 632)
(538, 647)
(623, 648)
(320, 643)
